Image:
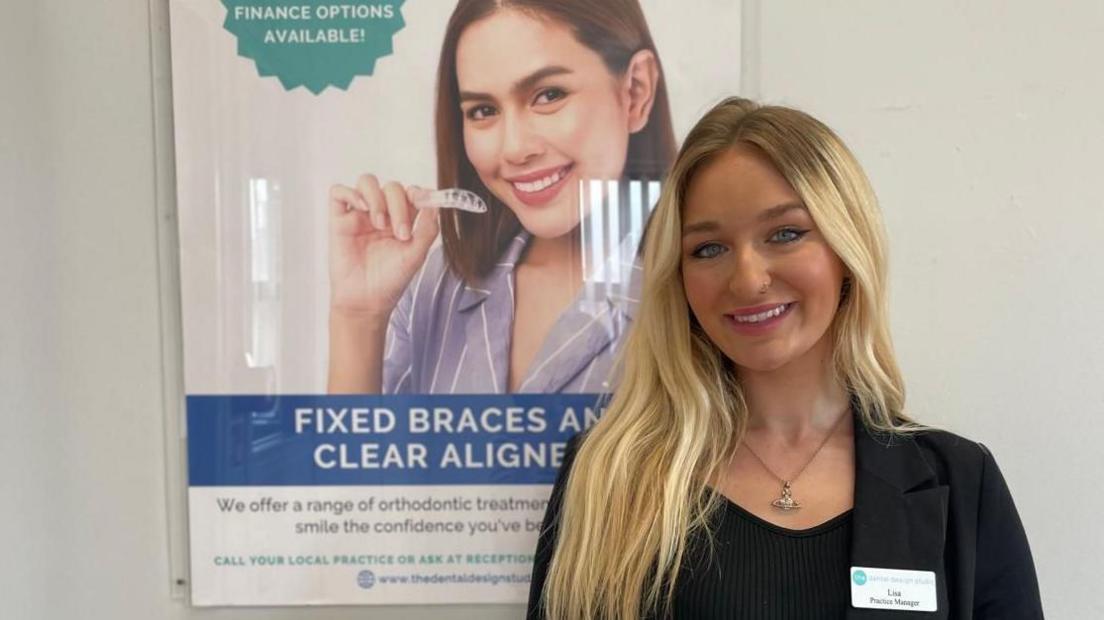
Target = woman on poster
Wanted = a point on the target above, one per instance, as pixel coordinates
(535, 100)
(756, 460)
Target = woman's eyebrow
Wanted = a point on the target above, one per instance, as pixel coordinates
(705, 225)
(528, 82)
(521, 86)
(780, 210)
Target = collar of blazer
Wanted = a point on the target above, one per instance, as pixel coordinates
(900, 513)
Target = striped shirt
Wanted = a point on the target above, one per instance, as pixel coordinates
(448, 337)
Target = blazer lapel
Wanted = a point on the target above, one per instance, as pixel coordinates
(900, 515)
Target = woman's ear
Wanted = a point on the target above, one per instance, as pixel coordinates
(639, 88)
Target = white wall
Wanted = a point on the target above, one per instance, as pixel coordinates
(979, 124)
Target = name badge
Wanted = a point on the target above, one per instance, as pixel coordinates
(890, 588)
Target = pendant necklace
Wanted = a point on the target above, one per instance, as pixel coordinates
(786, 501)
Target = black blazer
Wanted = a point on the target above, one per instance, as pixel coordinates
(934, 501)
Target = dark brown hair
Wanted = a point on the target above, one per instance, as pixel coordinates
(615, 30)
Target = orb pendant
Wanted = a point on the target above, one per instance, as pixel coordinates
(786, 502)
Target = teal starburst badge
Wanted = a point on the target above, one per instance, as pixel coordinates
(314, 43)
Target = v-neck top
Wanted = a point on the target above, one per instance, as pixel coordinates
(761, 570)
(447, 336)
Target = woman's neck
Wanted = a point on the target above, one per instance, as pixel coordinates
(799, 400)
(560, 252)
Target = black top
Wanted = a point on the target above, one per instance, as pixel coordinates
(933, 501)
(756, 569)
(760, 570)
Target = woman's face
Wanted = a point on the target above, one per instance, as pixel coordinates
(744, 227)
(541, 114)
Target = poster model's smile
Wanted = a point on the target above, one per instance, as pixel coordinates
(540, 187)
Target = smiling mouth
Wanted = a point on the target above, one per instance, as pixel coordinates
(761, 317)
(536, 185)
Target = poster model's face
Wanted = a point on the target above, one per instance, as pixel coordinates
(745, 227)
(541, 113)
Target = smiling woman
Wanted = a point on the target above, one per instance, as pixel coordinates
(756, 460)
(536, 102)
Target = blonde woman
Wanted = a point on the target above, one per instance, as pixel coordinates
(756, 460)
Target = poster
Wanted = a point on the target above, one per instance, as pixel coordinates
(409, 235)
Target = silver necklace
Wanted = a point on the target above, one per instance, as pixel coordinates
(786, 501)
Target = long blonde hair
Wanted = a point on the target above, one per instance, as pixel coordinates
(639, 488)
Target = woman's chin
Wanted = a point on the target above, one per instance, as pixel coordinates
(760, 368)
(762, 363)
(549, 223)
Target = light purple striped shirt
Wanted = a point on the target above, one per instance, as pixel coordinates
(446, 337)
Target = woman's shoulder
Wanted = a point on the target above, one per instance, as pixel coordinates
(956, 459)
(977, 494)
(949, 443)
(572, 448)
(949, 454)
(982, 515)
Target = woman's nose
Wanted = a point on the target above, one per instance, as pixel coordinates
(748, 275)
(520, 143)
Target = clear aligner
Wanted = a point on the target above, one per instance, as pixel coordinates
(452, 198)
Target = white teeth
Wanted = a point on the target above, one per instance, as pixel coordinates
(540, 184)
(762, 316)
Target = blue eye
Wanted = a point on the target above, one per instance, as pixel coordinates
(707, 250)
(787, 235)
